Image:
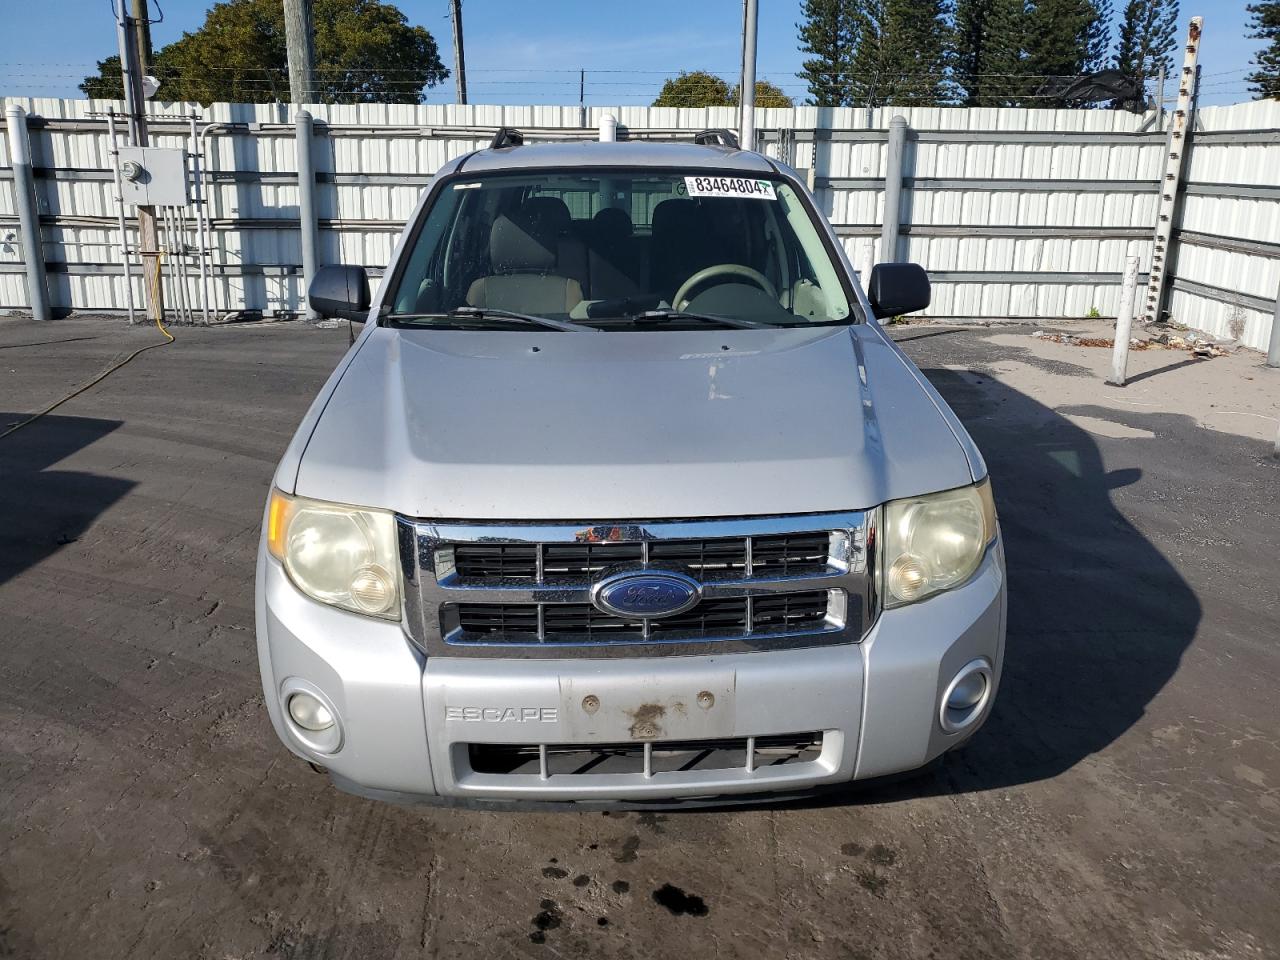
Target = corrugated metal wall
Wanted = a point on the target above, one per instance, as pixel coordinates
(1015, 213)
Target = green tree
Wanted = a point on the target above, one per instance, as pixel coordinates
(702, 89)
(987, 55)
(1064, 39)
(366, 52)
(695, 89)
(901, 53)
(1265, 21)
(829, 34)
(1146, 38)
(767, 95)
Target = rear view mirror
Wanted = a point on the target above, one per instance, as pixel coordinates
(897, 288)
(340, 291)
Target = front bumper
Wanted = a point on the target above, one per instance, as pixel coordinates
(407, 720)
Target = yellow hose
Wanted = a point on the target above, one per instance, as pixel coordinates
(155, 298)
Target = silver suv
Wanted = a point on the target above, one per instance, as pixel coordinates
(624, 495)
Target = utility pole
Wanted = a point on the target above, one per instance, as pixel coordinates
(133, 47)
(459, 61)
(747, 92)
(299, 38)
(142, 34)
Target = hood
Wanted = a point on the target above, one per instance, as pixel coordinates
(516, 425)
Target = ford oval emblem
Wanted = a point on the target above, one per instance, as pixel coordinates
(646, 594)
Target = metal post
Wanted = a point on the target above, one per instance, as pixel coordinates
(197, 192)
(459, 60)
(747, 92)
(1124, 323)
(894, 157)
(582, 98)
(124, 233)
(1273, 345)
(306, 207)
(299, 38)
(24, 191)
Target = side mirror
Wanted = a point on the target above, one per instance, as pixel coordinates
(340, 291)
(897, 288)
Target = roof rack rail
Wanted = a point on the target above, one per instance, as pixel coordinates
(506, 137)
(716, 137)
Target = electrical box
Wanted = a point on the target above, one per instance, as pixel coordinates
(153, 176)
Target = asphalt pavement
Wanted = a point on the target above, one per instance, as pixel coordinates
(1123, 800)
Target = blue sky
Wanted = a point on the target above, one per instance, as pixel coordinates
(529, 51)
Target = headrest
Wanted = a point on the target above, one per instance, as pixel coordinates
(550, 213)
(675, 215)
(517, 244)
(611, 225)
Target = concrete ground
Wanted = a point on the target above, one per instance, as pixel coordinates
(1123, 801)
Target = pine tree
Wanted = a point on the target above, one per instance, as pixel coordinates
(901, 53)
(988, 51)
(1266, 26)
(828, 34)
(1064, 38)
(1146, 38)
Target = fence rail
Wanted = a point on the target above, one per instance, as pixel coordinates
(1014, 212)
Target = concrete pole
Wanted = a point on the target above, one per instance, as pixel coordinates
(747, 92)
(868, 261)
(894, 158)
(1124, 323)
(299, 38)
(1273, 345)
(459, 58)
(307, 224)
(24, 190)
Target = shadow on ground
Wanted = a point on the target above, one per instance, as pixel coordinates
(1098, 617)
(42, 509)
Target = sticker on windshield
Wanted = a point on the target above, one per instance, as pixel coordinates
(729, 187)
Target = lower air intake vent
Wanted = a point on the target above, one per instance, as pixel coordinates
(750, 753)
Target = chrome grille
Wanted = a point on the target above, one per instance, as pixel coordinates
(726, 617)
(788, 554)
(526, 589)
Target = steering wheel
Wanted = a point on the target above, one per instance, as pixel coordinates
(681, 299)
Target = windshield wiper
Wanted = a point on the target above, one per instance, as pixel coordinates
(493, 313)
(665, 314)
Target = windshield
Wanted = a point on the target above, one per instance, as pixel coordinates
(619, 249)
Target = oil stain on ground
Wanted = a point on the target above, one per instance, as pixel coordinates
(679, 902)
(549, 918)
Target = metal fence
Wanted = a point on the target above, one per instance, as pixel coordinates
(1015, 213)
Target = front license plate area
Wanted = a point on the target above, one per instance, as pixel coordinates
(686, 706)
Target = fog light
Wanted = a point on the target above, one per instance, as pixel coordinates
(309, 713)
(966, 694)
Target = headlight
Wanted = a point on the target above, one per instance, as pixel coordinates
(935, 542)
(344, 556)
